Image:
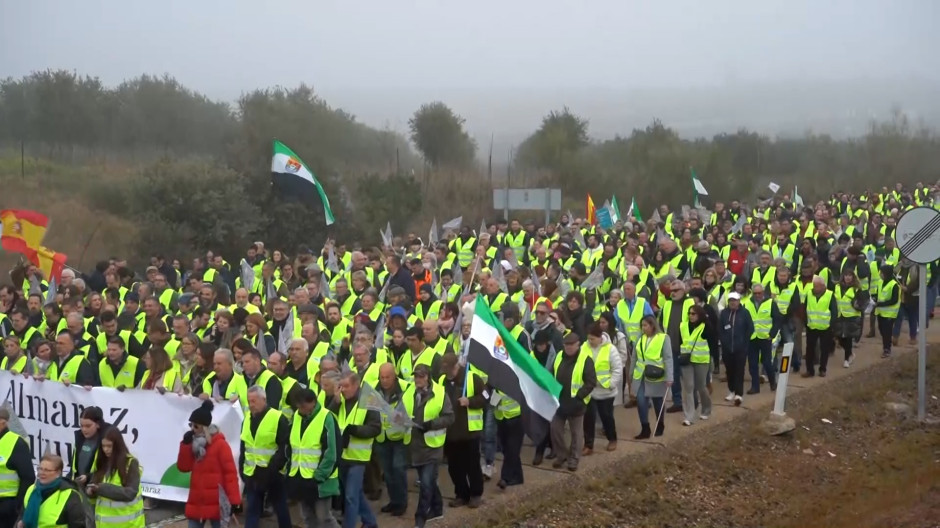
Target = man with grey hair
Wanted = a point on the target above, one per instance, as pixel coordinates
(821, 311)
(224, 383)
(674, 313)
(265, 441)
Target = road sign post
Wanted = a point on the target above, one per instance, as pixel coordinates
(547, 200)
(780, 398)
(918, 237)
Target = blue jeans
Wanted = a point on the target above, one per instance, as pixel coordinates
(911, 312)
(788, 335)
(759, 353)
(394, 459)
(196, 523)
(356, 505)
(489, 435)
(254, 503)
(677, 384)
(643, 405)
(430, 503)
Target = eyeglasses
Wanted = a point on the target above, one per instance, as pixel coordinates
(541, 312)
(676, 291)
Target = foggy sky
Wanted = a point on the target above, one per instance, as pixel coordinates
(502, 64)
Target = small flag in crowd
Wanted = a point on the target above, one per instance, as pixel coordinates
(453, 224)
(512, 370)
(615, 209)
(432, 234)
(292, 174)
(697, 184)
(634, 210)
(591, 211)
(773, 187)
(50, 262)
(797, 199)
(387, 235)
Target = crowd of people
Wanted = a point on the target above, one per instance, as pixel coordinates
(642, 314)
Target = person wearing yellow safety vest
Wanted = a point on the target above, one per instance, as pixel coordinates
(608, 367)
(69, 365)
(16, 471)
(53, 500)
(465, 390)
(161, 375)
(389, 446)
(431, 411)
(418, 354)
(256, 374)
(302, 365)
(15, 359)
(224, 383)
(118, 368)
(28, 335)
(360, 426)
(887, 307)
(265, 441)
(313, 478)
(115, 486)
(674, 312)
(851, 304)
(364, 364)
(766, 318)
(821, 313)
(574, 370)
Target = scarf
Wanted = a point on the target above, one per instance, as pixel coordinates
(201, 443)
(31, 513)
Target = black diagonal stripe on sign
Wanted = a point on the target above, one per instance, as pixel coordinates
(921, 236)
(918, 239)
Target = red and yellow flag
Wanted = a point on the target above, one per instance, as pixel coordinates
(23, 231)
(591, 212)
(51, 263)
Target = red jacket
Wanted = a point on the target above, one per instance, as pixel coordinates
(737, 261)
(215, 469)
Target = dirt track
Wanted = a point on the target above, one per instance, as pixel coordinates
(619, 493)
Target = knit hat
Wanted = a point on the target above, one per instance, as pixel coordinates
(202, 415)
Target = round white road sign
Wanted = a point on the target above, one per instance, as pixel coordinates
(918, 235)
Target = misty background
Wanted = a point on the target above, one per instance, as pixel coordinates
(781, 68)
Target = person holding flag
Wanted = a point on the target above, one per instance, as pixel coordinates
(463, 386)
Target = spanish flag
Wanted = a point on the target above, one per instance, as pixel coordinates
(23, 232)
(591, 212)
(51, 263)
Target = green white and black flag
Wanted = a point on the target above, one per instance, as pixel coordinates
(293, 178)
(513, 371)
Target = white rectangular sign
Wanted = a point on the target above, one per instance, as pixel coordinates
(152, 424)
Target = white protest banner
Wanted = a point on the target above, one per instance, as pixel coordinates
(152, 424)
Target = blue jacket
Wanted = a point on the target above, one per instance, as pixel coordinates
(735, 330)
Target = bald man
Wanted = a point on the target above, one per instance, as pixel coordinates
(389, 446)
(821, 312)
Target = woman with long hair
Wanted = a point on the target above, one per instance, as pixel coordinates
(849, 323)
(160, 374)
(202, 367)
(255, 331)
(116, 485)
(87, 445)
(608, 324)
(651, 371)
(695, 361)
(186, 356)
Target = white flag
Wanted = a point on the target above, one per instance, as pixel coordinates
(453, 224)
(797, 199)
(699, 188)
(432, 235)
(773, 187)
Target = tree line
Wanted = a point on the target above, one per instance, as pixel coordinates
(201, 173)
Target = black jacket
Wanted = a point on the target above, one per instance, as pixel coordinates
(574, 406)
(459, 430)
(20, 461)
(262, 476)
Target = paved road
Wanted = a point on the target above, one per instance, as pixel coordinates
(869, 353)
